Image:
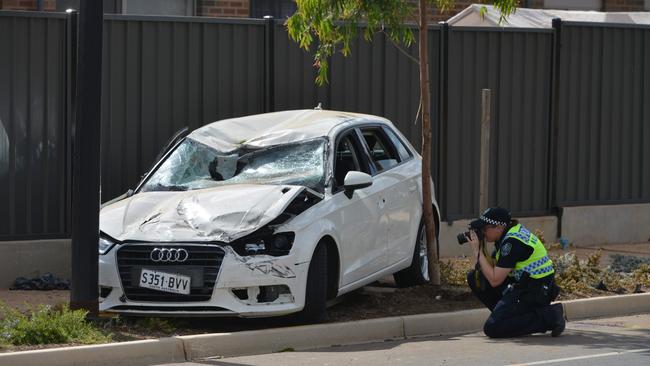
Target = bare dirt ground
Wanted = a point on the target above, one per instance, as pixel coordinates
(381, 299)
(23, 300)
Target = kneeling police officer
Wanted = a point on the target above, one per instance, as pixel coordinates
(519, 287)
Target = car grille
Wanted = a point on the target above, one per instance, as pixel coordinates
(202, 265)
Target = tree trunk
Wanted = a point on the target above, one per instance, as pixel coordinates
(425, 98)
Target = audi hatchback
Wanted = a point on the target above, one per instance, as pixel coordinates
(266, 215)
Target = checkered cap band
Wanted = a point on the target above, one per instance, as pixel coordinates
(493, 222)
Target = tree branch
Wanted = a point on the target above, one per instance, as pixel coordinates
(400, 48)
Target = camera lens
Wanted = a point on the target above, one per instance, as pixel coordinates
(462, 238)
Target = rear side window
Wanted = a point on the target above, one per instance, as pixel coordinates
(382, 151)
(404, 153)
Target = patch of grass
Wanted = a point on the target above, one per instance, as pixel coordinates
(577, 278)
(47, 325)
(455, 272)
(582, 278)
(642, 275)
(4, 344)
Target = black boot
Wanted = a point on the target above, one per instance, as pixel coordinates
(560, 322)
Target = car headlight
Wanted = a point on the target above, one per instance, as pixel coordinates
(275, 245)
(104, 245)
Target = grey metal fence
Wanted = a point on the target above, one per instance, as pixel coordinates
(34, 155)
(516, 66)
(161, 74)
(569, 127)
(603, 114)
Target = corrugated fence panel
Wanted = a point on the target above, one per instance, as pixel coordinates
(604, 115)
(162, 74)
(401, 84)
(294, 75)
(516, 66)
(34, 173)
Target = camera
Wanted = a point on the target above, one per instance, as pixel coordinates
(464, 236)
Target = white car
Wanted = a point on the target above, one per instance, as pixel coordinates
(266, 215)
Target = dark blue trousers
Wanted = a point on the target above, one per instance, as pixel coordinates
(515, 312)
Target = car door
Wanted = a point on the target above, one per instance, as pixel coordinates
(397, 189)
(356, 218)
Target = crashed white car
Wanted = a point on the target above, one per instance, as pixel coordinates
(266, 215)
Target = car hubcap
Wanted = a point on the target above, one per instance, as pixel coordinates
(424, 257)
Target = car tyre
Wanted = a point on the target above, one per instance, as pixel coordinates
(315, 310)
(418, 272)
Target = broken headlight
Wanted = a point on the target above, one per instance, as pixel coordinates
(105, 245)
(275, 245)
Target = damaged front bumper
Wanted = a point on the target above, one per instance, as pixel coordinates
(224, 283)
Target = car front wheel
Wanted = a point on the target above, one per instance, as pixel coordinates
(315, 310)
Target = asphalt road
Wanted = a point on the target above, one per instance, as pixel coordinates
(613, 341)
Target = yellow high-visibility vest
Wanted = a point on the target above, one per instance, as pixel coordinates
(538, 265)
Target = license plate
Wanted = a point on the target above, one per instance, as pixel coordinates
(163, 281)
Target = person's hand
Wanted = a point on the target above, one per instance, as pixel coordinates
(473, 242)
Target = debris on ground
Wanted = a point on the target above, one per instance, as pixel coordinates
(627, 263)
(47, 281)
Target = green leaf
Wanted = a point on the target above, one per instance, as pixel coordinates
(483, 11)
(334, 24)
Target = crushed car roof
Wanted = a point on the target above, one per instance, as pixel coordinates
(272, 128)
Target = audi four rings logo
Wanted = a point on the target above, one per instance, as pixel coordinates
(169, 255)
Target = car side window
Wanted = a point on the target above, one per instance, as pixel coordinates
(402, 150)
(345, 160)
(381, 149)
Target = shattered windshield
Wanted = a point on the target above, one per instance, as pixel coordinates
(193, 165)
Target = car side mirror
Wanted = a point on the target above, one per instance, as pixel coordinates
(356, 180)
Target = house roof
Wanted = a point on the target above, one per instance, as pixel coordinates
(272, 128)
(540, 18)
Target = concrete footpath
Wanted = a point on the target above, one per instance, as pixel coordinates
(623, 341)
(187, 348)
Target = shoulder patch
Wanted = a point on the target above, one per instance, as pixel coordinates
(505, 248)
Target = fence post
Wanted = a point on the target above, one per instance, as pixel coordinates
(269, 64)
(554, 117)
(484, 180)
(70, 105)
(86, 163)
(443, 117)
